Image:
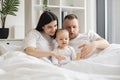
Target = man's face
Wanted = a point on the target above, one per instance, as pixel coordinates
(72, 26)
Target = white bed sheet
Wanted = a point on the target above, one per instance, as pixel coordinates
(107, 62)
(16, 65)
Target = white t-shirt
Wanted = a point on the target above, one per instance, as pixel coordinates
(68, 52)
(83, 38)
(38, 40)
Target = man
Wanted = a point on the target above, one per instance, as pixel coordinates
(85, 43)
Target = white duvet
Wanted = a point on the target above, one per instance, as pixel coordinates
(16, 65)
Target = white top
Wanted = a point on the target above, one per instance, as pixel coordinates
(38, 40)
(68, 52)
(83, 38)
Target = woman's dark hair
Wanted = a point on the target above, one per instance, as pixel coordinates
(45, 18)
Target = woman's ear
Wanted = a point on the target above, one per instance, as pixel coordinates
(43, 27)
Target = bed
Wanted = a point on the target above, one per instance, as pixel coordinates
(16, 65)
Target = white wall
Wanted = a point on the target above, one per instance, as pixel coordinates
(28, 16)
(91, 15)
(16, 23)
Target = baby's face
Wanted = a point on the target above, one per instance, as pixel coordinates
(62, 39)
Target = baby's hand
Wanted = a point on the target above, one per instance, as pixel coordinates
(87, 49)
(58, 56)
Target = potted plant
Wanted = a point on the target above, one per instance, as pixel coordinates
(7, 7)
(45, 5)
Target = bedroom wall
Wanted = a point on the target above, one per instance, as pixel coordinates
(18, 25)
(91, 15)
(90, 11)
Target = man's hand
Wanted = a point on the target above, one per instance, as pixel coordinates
(87, 49)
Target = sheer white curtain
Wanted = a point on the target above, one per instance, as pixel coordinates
(113, 21)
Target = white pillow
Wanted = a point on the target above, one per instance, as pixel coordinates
(5, 48)
(2, 71)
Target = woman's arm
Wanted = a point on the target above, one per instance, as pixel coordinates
(42, 53)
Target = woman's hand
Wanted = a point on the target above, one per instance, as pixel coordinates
(58, 56)
(87, 49)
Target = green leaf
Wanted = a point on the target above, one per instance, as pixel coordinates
(10, 7)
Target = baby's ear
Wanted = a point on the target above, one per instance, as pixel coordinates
(68, 38)
(56, 39)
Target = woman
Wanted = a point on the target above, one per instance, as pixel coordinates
(39, 42)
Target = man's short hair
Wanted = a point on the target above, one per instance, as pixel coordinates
(71, 16)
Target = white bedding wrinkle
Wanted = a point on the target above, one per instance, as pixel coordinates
(93, 68)
(20, 66)
(106, 62)
(2, 72)
(16, 65)
(109, 56)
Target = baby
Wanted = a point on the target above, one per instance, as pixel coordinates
(62, 39)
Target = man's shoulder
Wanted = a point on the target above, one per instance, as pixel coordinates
(87, 33)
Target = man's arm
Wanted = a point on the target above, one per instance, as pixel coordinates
(89, 48)
(101, 43)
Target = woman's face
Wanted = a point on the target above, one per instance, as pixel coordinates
(50, 28)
